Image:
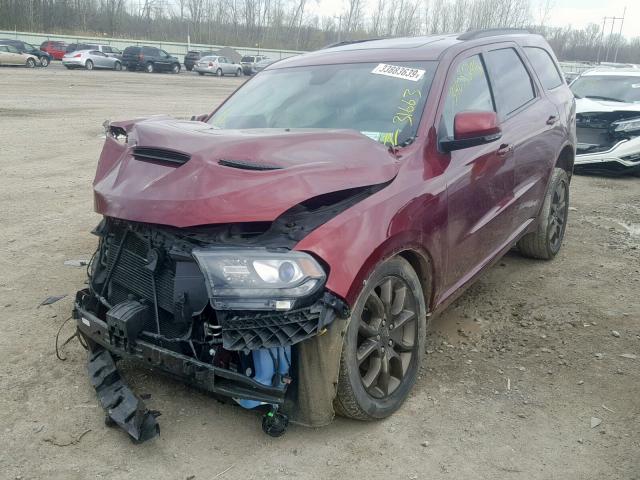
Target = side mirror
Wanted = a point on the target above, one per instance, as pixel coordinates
(471, 129)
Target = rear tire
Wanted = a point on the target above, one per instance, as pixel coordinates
(201, 74)
(31, 63)
(383, 345)
(88, 65)
(175, 68)
(219, 72)
(545, 242)
(117, 66)
(149, 68)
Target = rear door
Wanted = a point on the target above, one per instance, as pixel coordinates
(164, 59)
(479, 179)
(226, 66)
(99, 59)
(4, 55)
(524, 112)
(556, 125)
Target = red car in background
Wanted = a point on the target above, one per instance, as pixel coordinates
(288, 249)
(54, 48)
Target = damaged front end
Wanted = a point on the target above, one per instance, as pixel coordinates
(608, 142)
(220, 316)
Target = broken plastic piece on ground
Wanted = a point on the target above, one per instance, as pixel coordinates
(52, 299)
(122, 406)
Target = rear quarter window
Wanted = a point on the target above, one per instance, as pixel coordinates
(513, 87)
(545, 67)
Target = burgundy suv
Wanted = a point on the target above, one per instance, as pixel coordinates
(288, 249)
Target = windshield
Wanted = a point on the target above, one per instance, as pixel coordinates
(616, 88)
(384, 102)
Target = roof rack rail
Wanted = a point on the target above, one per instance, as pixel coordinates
(491, 32)
(349, 42)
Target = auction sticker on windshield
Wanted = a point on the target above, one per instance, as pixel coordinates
(396, 71)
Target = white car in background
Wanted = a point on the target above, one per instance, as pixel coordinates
(608, 121)
(217, 65)
(10, 55)
(90, 59)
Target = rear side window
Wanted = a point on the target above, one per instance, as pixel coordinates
(468, 90)
(511, 81)
(152, 52)
(544, 66)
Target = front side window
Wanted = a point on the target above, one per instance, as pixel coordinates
(613, 88)
(511, 82)
(545, 67)
(468, 91)
(382, 101)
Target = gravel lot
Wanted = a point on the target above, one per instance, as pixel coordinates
(515, 373)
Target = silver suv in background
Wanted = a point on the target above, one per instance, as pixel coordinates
(249, 63)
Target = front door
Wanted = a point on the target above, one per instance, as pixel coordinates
(480, 179)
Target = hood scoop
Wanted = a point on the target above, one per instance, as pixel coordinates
(247, 165)
(161, 155)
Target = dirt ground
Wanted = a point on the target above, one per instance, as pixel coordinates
(516, 371)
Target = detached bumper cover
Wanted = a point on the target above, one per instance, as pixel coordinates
(121, 405)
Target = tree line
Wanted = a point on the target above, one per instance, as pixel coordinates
(302, 25)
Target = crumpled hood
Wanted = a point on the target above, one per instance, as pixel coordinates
(588, 105)
(304, 164)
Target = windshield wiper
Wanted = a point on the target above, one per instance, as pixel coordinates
(598, 97)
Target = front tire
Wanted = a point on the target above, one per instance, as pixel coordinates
(383, 345)
(239, 72)
(117, 66)
(88, 65)
(44, 61)
(545, 242)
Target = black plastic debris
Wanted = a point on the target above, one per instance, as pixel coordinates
(122, 406)
(52, 299)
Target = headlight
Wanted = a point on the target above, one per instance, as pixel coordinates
(627, 125)
(258, 278)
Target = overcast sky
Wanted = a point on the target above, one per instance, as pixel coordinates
(577, 13)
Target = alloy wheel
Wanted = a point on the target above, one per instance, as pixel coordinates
(387, 337)
(558, 216)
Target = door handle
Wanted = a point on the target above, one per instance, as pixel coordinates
(505, 149)
(552, 119)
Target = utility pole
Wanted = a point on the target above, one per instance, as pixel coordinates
(613, 21)
(624, 12)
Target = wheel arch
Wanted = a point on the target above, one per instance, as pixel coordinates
(566, 159)
(414, 253)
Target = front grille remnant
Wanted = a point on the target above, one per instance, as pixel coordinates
(250, 330)
(163, 155)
